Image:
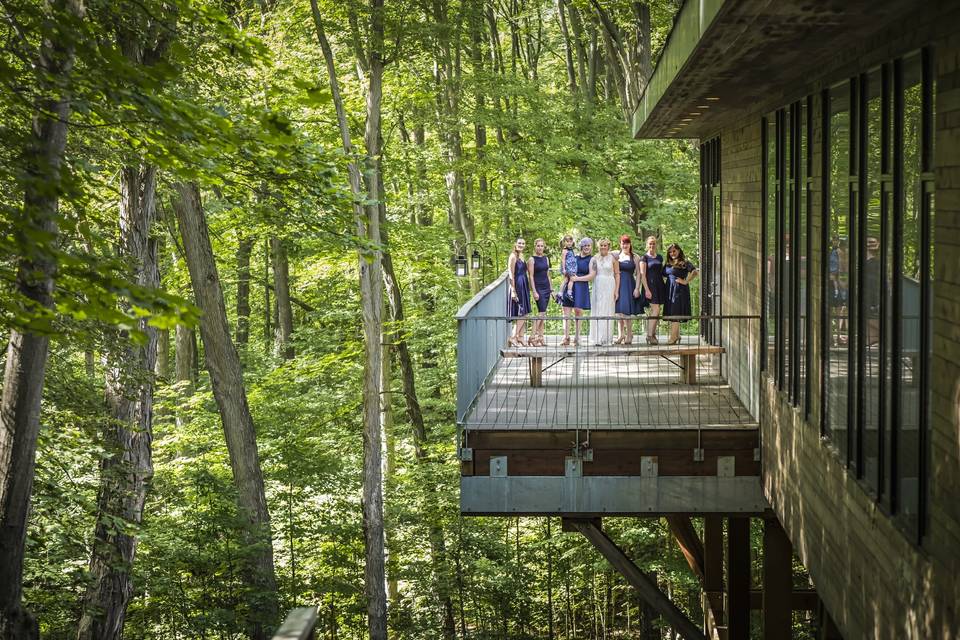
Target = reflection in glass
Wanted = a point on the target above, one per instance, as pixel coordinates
(908, 449)
(837, 390)
(872, 287)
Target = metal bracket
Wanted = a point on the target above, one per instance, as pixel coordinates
(726, 466)
(649, 467)
(698, 455)
(498, 466)
(573, 467)
(466, 454)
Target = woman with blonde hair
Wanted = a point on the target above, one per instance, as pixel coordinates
(605, 274)
(538, 266)
(651, 275)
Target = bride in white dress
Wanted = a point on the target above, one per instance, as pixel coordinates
(605, 272)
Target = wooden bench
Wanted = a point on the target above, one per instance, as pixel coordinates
(687, 352)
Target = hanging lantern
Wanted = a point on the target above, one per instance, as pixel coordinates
(475, 260)
(461, 265)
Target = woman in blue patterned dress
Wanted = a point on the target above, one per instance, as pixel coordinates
(629, 303)
(679, 273)
(651, 274)
(518, 285)
(581, 288)
(538, 266)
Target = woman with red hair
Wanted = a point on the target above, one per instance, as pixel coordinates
(629, 302)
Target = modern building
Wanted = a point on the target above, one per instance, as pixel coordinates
(830, 138)
(821, 396)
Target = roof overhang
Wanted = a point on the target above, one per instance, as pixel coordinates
(727, 58)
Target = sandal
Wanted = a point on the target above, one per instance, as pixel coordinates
(565, 342)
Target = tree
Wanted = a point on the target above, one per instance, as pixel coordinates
(226, 375)
(28, 347)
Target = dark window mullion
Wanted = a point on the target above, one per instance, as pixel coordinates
(798, 184)
(808, 256)
(781, 182)
(825, 289)
(764, 163)
(863, 96)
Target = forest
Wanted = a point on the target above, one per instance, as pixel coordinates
(228, 232)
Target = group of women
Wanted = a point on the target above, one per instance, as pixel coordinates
(624, 284)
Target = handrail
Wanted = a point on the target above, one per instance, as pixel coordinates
(468, 306)
(300, 624)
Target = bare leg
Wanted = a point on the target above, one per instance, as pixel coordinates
(653, 319)
(674, 333)
(576, 336)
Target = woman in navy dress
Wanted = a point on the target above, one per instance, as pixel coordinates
(518, 285)
(679, 273)
(581, 289)
(538, 266)
(629, 302)
(651, 274)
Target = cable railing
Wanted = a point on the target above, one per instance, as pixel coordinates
(703, 376)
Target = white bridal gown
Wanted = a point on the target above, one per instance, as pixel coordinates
(602, 302)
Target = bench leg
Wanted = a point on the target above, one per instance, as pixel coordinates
(688, 372)
(536, 372)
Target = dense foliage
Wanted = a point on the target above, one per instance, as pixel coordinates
(500, 119)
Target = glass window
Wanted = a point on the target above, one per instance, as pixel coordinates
(917, 205)
(838, 221)
(871, 287)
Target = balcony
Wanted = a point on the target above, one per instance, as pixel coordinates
(586, 431)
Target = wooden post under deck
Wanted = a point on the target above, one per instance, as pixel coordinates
(738, 578)
(777, 580)
(713, 566)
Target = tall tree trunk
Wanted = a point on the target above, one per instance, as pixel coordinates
(244, 251)
(27, 352)
(185, 356)
(268, 323)
(226, 376)
(126, 473)
(567, 47)
(367, 220)
(281, 290)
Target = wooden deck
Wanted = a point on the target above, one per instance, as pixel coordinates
(608, 388)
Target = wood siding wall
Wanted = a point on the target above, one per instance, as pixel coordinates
(875, 582)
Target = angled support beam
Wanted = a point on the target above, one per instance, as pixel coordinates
(645, 586)
(689, 541)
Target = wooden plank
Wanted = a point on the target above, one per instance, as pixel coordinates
(606, 462)
(645, 585)
(777, 580)
(720, 439)
(688, 370)
(738, 578)
(800, 600)
(689, 542)
(299, 625)
(594, 352)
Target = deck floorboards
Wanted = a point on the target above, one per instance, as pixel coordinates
(603, 389)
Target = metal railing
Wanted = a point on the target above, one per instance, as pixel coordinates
(478, 343)
(698, 382)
